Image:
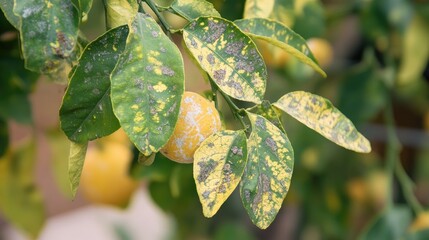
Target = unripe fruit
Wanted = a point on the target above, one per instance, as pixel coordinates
(198, 119)
(105, 178)
(274, 56)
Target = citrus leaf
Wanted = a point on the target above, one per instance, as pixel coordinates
(258, 8)
(48, 32)
(218, 166)
(268, 172)
(120, 12)
(281, 36)
(85, 7)
(147, 85)
(76, 160)
(229, 56)
(269, 112)
(320, 115)
(7, 8)
(86, 112)
(21, 202)
(191, 9)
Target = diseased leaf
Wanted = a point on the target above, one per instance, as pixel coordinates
(320, 115)
(258, 8)
(218, 166)
(268, 172)
(147, 85)
(120, 12)
(48, 32)
(229, 56)
(281, 36)
(86, 112)
(7, 8)
(190, 9)
(76, 160)
(269, 112)
(21, 202)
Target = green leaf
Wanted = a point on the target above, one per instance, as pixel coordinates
(218, 166)
(414, 54)
(4, 137)
(229, 56)
(85, 7)
(147, 85)
(268, 172)
(120, 12)
(59, 146)
(258, 8)
(76, 161)
(320, 115)
(21, 202)
(191, 9)
(48, 32)
(268, 111)
(86, 112)
(281, 36)
(391, 224)
(7, 8)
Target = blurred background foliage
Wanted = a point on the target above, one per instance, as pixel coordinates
(376, 54)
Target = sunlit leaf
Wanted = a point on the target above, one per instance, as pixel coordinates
(59, 147)
(86, 112)
(191, 9)
(281, 36)
(229, 56)
(147, 85)
(48, 32)
(268, 172)
(20, 201)
(269, 112)
(76, 161)
(320, 115)
(258, 8)
(414, 54)
(218, 166)
(7, 8)
(120, 12)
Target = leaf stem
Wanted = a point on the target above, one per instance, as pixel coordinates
(164, 24)
(237, 112)
(407, 186)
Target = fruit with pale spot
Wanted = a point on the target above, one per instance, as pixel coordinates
(105, 178)
(198, 119)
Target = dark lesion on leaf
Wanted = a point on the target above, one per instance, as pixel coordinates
(219, 75)
(237, 151)
(205, 169)
(215, 30)
(271, 144)
(263, 187)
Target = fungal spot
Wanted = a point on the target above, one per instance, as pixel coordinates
(96, 91)
(163, 50)
(215, 31)
(200, 58)
(167, 71)
(222, 189)
(260, 123)
(205, 169)
(154, 34)
(139, 83)
(210, 59)
(149, 68)
(234, 48)
(237, 151)
(206, 194)
(219, 75)
(271, 144)
(194, 43)
(210, 144)
(235, 85)
(248, 67)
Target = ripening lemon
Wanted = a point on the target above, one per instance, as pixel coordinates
(198, 119)
(119, 136)
(105, 178)
(274, 56)
(321, 50)
(421, 222)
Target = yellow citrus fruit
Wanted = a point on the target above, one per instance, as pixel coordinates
(321, 50)
(198, 119)
(274, 56)
(105, 178)
(119, 136)
(421, 222)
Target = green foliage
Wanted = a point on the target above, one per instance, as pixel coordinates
(76, 161)
(193, 9)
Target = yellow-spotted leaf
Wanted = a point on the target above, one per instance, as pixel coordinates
(258, 8)
(268, 172)
(120, 12)
(280, 35)
(48, 32)
(218, 166)
(191, 9)
(229, 56)
(147, 85)
(76, 160)
(269, 112)
(320, 115)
